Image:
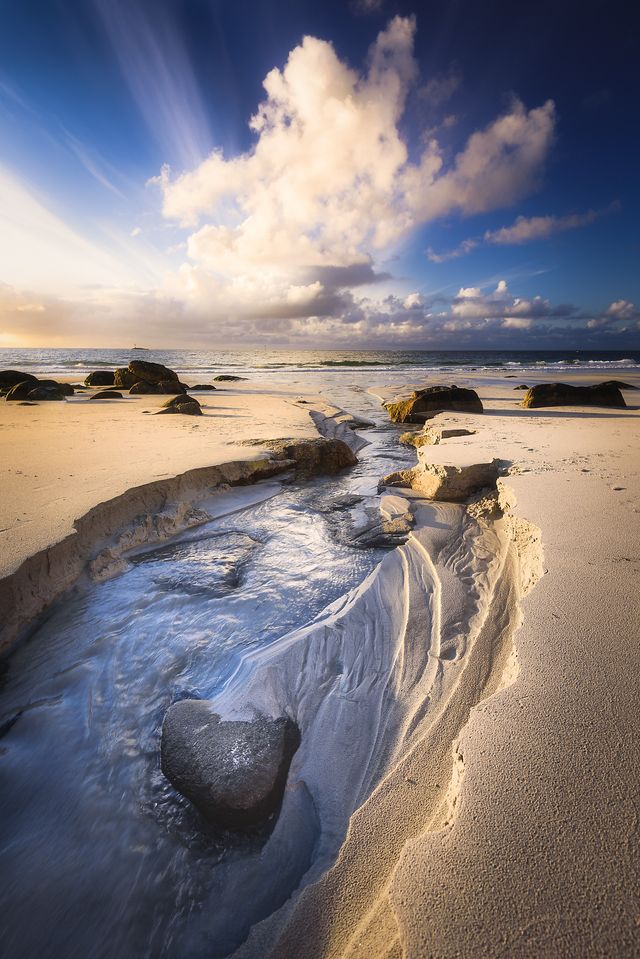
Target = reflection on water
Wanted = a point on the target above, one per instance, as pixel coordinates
(99, 856)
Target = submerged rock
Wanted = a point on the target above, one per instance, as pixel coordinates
(188, 405)
(106, 395)
(562, 394)
(434, 399)
(234, 772)
(11, 378)
(100, 378)
(146, 372)
(228, 378)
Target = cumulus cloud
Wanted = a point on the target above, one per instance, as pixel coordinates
(331, 184)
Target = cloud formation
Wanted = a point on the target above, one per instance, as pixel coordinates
(331, 184)
(523, 230)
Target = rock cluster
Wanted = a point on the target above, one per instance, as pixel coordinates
(422, 404)
(31, 389)
(562, 394)
(234, 772)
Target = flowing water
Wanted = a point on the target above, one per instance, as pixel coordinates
(100, 857)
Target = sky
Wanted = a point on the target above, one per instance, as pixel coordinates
(341, 175)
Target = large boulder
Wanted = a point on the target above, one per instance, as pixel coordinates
(11, 378)
(234, 772)
(65, 388)
(123, 379)
(21, 390)
(562, 394)
(188, 405)
(151, 372)
(45, 391)
(423, 404)
(321, 456)
(100, 378)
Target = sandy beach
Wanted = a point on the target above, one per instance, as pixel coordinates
(494, 810)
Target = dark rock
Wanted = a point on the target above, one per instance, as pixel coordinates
(234, 772)
(202, 386)
(65, 388)
(11, 378)
(188, 405)
(45, 392)
(100, 378)
(523, 386)
(228, 378)
(151, 372)
(106, 395)
(561, 394)
(145, 388)
(166, 387)
(123, 379)
(21, 390)
(434, 399)
(620, 385)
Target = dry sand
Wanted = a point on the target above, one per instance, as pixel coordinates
(521, 840)
(61, 459)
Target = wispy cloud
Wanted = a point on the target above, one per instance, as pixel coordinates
(523, 230)
(92, 163)
(156, 65)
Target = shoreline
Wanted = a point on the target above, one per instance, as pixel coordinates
(436, 888)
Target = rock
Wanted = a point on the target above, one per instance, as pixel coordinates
(202, 386)
(65, 388)
(234, 772)
(620, 385)
(106, 395)
(45, 392)
(164, 387)
(21, 390)
(100, 378)
(431, 436)
(320, 456)
(448, 482)
(522, 386)
(188, 405)
(11, 378)
(228, 378)
(151, 372)
(123, 379)
(434, 399)
(561, 394)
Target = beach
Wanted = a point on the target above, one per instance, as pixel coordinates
(466, 782)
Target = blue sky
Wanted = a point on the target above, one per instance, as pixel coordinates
(415, 174)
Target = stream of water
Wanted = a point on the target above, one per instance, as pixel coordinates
(100, 857)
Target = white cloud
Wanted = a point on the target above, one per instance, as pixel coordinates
(329, 183)
(623, 310)
(525, 229)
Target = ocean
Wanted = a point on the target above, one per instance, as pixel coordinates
(202, 364)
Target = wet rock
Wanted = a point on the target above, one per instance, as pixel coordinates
(21, 390)
(202, 386)
(523, 386)
(234, 772)
(188, 405)
(45, 392)
(319, 456)
(434, 399)
(151, 372)
(228, 378)
(11, 378)
(100, 378)
(620, 385)
(561, 394)
(123, 379)
(106, 395)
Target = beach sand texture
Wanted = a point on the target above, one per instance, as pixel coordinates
(505, 824)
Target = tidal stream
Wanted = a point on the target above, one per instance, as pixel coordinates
(100, 857)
